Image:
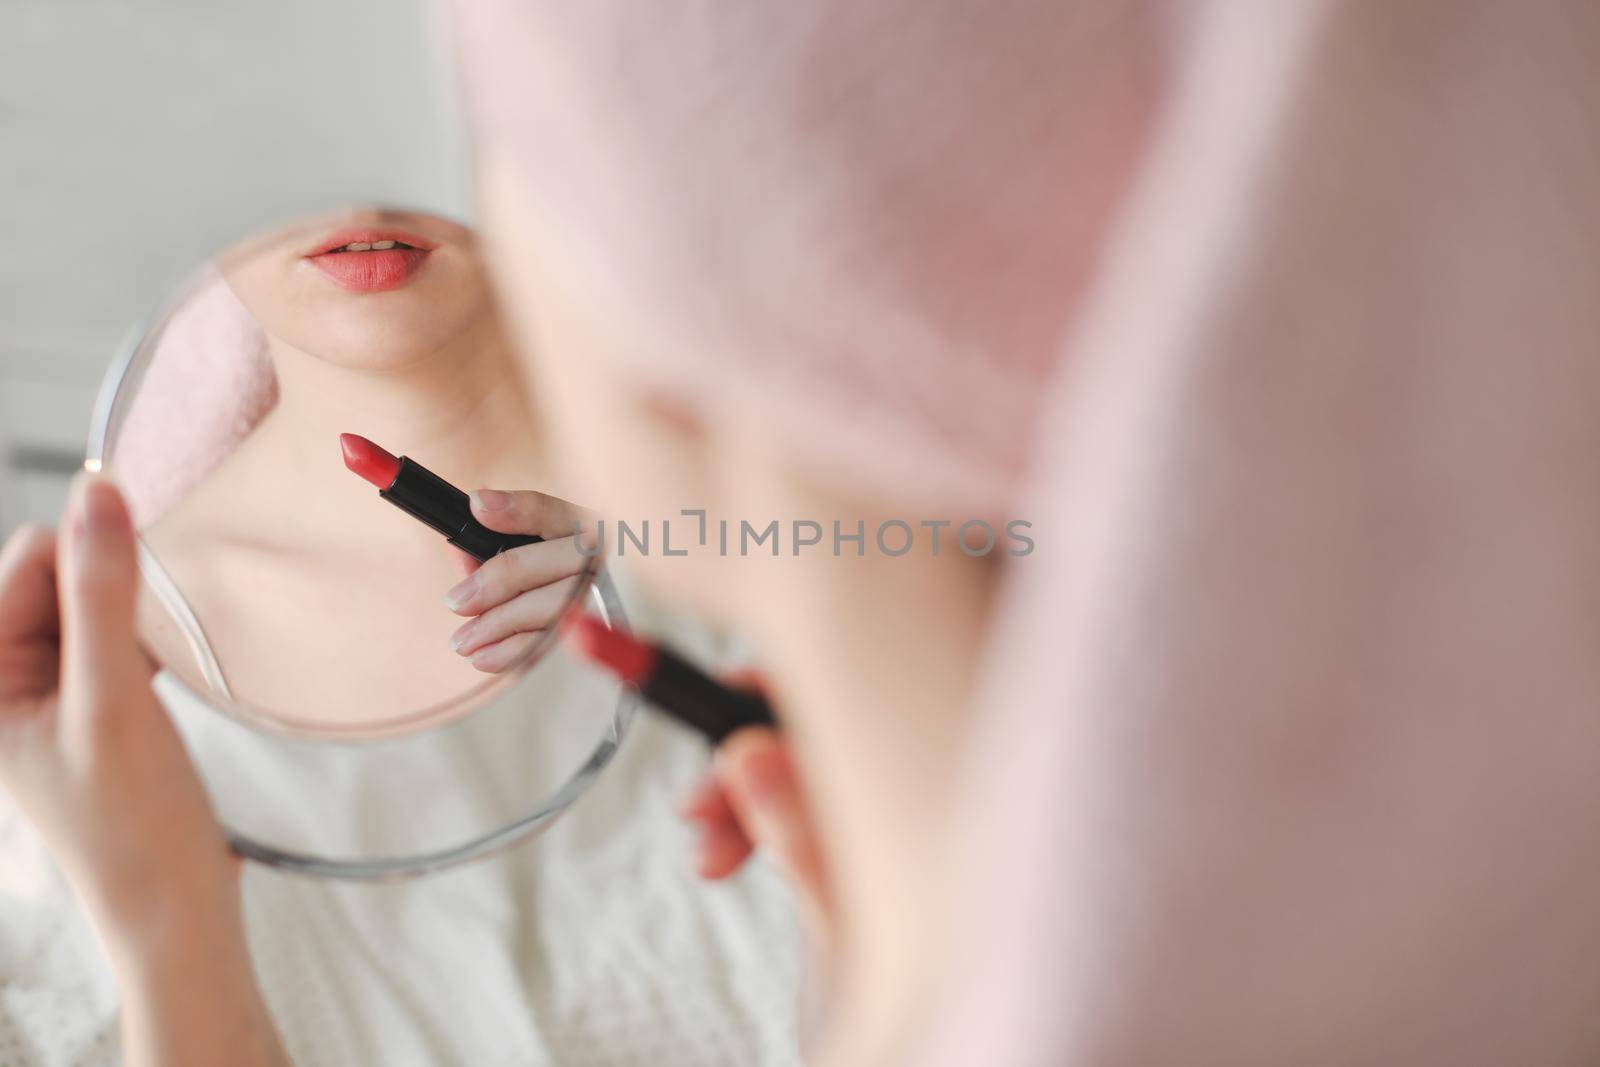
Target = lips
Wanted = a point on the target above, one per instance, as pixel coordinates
(370, 260)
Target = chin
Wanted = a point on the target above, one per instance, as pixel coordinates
(378, 354)
(373, 332)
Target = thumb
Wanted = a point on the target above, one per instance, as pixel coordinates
(98, 590)
(524, 511)
(765, 791)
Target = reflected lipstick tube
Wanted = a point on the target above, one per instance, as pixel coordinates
(428, 498)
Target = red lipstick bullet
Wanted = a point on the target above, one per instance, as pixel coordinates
(428, 498)
(368, 460)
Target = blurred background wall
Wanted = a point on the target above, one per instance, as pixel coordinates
(138, 136)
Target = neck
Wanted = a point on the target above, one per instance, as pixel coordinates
(458, 409)
(460, 412)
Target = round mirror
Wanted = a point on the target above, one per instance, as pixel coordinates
(297, 431)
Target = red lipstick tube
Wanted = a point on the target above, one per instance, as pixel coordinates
(428, 498)
(669, 681)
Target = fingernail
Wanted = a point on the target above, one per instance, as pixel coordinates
(100, 510)
(463, 636)
(462, 592)
(766, 778)
(106, 513)
(490, 500)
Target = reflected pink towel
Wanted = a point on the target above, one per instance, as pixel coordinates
(207, 385)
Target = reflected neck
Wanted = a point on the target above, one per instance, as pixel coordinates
(459, 408)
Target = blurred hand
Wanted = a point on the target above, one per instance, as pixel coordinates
(517, 595)
(753, 799)
(86, 750)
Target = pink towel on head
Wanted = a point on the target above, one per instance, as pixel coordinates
(1292, 733)
(1292, 736)
(207, 385)
(865, 225)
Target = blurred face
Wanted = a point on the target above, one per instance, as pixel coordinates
(368, 290)
(625, 451)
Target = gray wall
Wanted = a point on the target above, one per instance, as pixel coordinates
(138, 136)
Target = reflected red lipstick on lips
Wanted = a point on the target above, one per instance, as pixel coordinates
(370, 259)
(428, 498)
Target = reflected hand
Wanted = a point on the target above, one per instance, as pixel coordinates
(514, 597)
(86, 750)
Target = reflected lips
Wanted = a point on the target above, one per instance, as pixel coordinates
(371, 260)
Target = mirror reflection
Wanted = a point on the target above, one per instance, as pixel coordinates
(353, 564)
(298, 436)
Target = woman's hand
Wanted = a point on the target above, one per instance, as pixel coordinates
(517, 595)
(753, 799)
(89, 755)
(85, 748)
